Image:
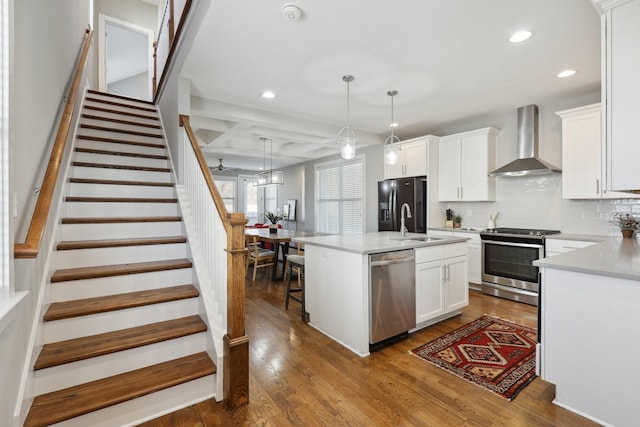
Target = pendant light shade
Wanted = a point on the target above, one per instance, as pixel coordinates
(267, 177)
(391, 150)
(346, 136)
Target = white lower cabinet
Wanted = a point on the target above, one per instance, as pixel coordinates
(441, 280)
(474, 255)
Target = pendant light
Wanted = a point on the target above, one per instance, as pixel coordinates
(267, 177)
(391, 150)
(346, 136)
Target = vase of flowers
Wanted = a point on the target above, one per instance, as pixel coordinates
(628, 224)
(273, 219)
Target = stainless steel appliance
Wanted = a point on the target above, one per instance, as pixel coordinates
(392, 194)
(392, 295)
(507, 262)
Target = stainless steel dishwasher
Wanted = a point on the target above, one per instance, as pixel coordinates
(392, 296)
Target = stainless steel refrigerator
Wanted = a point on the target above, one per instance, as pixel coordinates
(392, 193)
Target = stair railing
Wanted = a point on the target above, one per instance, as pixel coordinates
(221, 242)
(30, 248)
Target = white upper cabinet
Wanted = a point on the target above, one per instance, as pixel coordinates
(464, 162)
(413, 159)
(621, 91)
(583, 174)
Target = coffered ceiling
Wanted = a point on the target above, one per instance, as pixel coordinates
(449, 60)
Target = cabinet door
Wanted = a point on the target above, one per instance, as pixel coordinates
(473, 167)
(396, 170)
(415, 158)
(623, 92)
(449, 169)
(429, 298)
(475, 263)
(581, 153)
(456, 285)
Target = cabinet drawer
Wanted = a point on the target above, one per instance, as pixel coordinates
(456, 249)
(431, 253)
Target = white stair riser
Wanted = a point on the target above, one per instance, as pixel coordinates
(121, 126)
(81, 326)
(95, 368)
(129, 230)
(127, 101)
(102, 286)
(76, 258)
(114, 190)
(121, 160)
(118, 210)
(120, 136)
(146, 408)
(130, 175)
(121, 116)
(113, 146)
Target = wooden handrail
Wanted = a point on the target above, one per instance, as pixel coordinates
(31, 246)
(236, 342)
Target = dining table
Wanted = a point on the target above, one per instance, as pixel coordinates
(281, 237)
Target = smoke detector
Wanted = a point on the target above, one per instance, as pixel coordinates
(291, 11)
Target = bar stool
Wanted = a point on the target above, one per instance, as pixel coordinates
(296, 261)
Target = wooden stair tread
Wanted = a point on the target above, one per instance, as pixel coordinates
(124, 113)
(120, 141)
(115, 95)
(71, 402)
(117, 220)
(87, 306)
(120, 104)
(122, 167)
(128, 132)
(120, 153)
(120, 121)
(118, 269)
(114, 243)
(120, 199)
(120, 182)
(73, 350)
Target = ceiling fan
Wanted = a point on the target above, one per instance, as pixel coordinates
(219, 168)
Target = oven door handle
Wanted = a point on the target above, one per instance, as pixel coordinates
(520, 245)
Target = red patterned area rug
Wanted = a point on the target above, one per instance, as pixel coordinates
(493, 353)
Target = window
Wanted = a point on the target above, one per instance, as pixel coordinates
(340, 197)
(227, 189)
(249, 198)
(271, 199)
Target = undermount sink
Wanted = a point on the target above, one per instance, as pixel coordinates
(417, 239)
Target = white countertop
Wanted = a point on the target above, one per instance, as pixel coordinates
(370, 243)
(614, 257)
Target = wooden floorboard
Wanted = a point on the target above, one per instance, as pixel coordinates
(300, 377)
(68, 351)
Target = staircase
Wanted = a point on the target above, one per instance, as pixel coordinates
(123, 337)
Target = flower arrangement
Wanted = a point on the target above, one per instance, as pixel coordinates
(625, 221)
(273, 217)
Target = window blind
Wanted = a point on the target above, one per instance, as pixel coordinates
(340, 198)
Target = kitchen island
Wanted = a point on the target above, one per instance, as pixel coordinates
(590, 310)
(337, 279)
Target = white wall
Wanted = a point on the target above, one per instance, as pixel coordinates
(45, 42)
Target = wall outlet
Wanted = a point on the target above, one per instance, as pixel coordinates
(468, 213)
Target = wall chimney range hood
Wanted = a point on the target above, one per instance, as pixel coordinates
(527, 162)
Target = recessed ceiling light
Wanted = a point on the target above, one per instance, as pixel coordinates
(566, 73)
(520, 36)
(268, 94)
(393, 125)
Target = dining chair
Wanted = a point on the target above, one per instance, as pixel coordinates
(257, 256)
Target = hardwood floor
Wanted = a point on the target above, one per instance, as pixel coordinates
(300, 377)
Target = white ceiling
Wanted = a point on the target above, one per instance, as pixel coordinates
(449, 60)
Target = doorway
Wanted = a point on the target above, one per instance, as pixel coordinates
(125, 60)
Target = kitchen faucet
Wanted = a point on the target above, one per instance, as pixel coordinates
(403, 229)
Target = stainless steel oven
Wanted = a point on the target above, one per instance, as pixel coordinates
(507, 263)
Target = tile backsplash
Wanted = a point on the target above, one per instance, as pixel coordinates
(536, 202)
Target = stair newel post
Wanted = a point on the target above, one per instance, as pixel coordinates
(236, 342)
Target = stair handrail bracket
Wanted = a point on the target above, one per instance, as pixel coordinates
(30, 248)
(222, 252)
